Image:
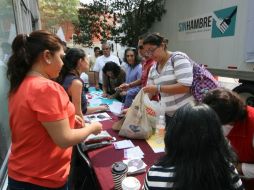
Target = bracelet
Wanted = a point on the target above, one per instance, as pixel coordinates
(158, 88)
(129, 85)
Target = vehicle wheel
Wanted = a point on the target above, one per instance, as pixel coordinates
(246, 92)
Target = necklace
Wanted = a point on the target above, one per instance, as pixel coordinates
(163, 61)
(36, 73)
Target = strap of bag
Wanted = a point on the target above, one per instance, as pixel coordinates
(174, 54)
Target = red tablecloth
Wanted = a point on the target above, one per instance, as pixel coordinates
(103, 158)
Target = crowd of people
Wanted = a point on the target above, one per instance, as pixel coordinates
(208, 145)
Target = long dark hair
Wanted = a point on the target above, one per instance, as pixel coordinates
(73, 55)
(196, 147)
(136, 57)
(227, 104)
(25, 51)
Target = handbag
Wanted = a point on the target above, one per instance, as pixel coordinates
(140, 118)
(203, 80)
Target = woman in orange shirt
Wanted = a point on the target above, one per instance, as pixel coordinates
(41, 117)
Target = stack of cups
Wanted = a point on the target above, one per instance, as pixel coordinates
(119, 172)
(131, 183)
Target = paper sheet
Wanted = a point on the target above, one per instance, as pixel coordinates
(123, 144)
(134, 152)
(155, 144)
(116, 108)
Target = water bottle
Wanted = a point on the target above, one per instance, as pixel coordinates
(160, 129)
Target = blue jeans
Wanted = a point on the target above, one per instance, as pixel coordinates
(18, 185)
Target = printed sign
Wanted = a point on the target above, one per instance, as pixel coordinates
(224, 22)
(219, 23)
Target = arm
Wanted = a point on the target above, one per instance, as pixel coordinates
(105, 85)
(75, 91)
(63, 136)
(96, 70)
(120, 80)
(246, 169)
(96, 79)
(183, 70)
(126, 86)
(91, 110)
(170, 89)
(135, 83)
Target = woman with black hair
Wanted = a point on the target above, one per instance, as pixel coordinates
(41, 117)
(238, 126)
(113, 77)
(197, 155)
(133, 73)
(76, 62)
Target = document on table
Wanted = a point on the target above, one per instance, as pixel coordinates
(116, 108)
(97, 117)
(123, 144)
(95, 101)
(134, 152)
(156, 146)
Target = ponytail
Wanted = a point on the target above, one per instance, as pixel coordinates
(18, 64)
(25, 51)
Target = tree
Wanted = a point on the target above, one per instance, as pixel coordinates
(119, 20)
(54, 13)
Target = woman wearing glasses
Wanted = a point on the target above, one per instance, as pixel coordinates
(172, 80)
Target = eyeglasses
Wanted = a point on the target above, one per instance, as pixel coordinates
(151, 51)
(105, 49)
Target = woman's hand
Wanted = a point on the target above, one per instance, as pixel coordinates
(110, 97)
(95, 127)
(79, 122)
(104, 95)
(123, 93)
(151, 89)
(97, 87)
(124, 87)
(104, 107)
(124, 111)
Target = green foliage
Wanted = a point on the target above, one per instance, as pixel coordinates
(119, 20)
(58, 11)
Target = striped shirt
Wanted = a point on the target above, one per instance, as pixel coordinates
(161, 178)
(181, 72)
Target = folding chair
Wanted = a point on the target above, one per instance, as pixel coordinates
(85, 173)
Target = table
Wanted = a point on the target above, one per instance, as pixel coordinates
(103, 158)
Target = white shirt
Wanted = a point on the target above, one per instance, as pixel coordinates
(100, 62)
(248, 169)
(84, 77)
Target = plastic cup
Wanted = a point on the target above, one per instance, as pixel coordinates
(119, 172)
(131, 183)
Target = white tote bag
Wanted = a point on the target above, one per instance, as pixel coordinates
(140, 118)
